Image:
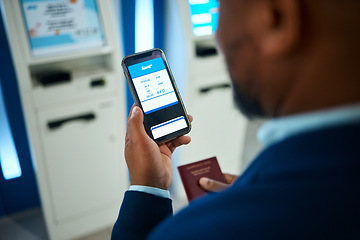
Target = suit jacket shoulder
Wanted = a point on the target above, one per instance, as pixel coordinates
(306, 187)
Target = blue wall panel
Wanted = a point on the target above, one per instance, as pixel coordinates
(128, 28)
(19, 193)
(159, 15)
(2, 212)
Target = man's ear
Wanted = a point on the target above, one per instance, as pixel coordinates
(281, 20)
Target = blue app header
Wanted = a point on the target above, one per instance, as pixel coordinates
(151, 66)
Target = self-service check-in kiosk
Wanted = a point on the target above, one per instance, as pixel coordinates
(67, 59)
(199, 69)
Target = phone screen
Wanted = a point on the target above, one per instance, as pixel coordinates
(156, 93)
(153, 85)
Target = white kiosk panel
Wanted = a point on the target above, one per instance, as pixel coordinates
(67, 59)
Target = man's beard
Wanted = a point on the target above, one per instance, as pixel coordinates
(249, 106)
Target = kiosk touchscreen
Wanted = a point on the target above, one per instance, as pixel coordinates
(204, 16)
(62, 26)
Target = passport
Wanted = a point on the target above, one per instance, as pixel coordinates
(191, 173)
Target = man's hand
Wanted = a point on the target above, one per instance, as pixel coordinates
(215, 186)
(149, 163)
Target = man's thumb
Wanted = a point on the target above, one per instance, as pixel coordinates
(136, 114)
(211, 185)
(135, 124)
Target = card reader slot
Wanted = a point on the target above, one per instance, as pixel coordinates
(206, 51)
(98, 82)
(52, 78)
(214, 87)
(58, 123)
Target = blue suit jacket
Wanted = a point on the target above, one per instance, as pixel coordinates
(306, 187)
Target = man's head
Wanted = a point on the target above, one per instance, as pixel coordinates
(291, 56)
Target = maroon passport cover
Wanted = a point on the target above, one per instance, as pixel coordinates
(191, 173)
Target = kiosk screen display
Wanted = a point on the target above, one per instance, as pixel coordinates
(204, 16)
(62, 26)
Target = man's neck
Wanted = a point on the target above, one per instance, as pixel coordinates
(324, 82)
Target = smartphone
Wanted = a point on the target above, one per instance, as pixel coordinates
(154, 90)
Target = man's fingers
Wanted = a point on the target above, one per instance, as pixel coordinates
(182, 140)
(230, 178)
(190, 117)
(215, 186)
(177, 142)
(212, 185)
(135, 130)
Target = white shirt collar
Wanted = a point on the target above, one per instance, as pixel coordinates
(279, 129)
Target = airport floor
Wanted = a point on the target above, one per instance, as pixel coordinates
(30, 225)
